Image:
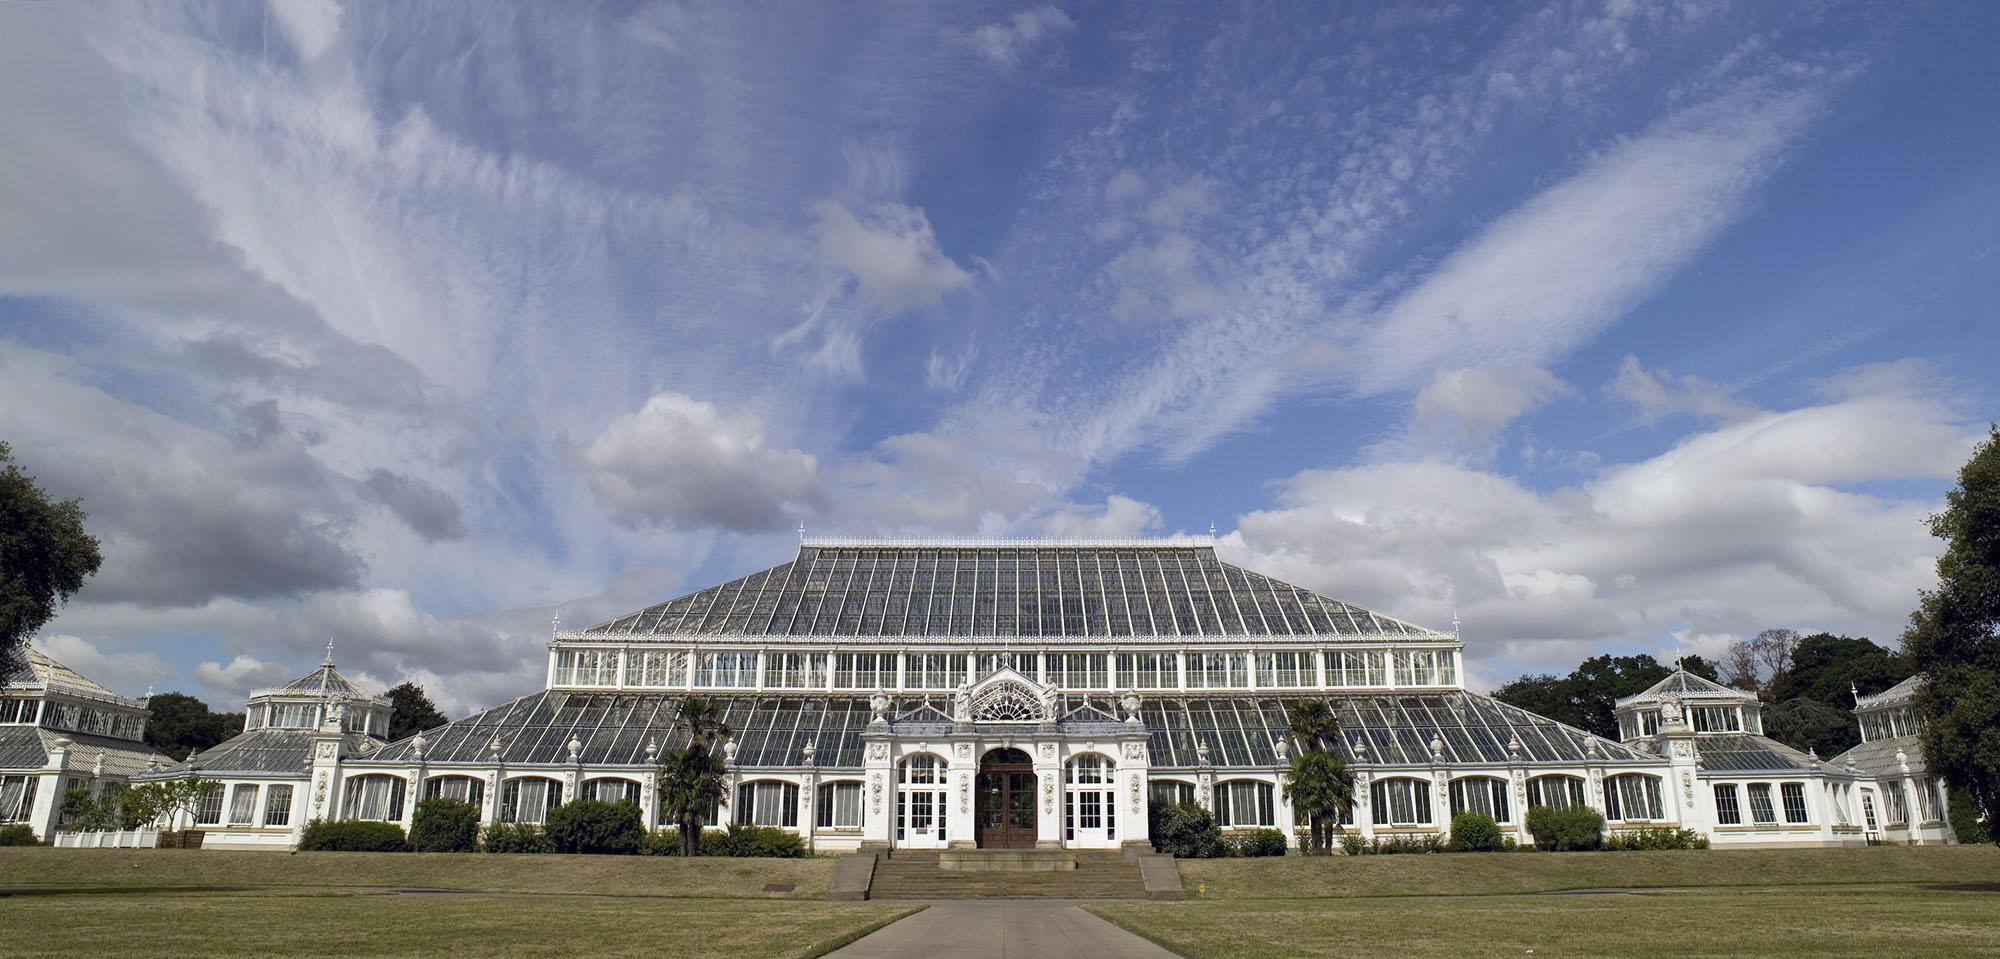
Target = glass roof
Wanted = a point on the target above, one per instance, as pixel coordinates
(614, 728)
(1745, 752)
(265, 752)
(1024, 591)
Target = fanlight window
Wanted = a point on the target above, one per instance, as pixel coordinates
(1555, 792)
(1632, 797)
(1481, 794)
(1007, 701)
(529, 799)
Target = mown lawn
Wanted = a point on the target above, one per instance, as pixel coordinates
(1499, 873)
(268, 924)
(1900, 902)
(707, 877)
(1856, 921)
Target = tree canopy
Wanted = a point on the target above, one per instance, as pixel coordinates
(45, 555)
(178, 724)
(1954, 635)
(411, 711)
(1829, 670)
(1585, 697)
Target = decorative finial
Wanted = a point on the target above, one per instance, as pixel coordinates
(328, 661)
(1211, 531)
(555, 623)
(1454, 624)
(808, 750)
(1854, 691)
(802, 532)
(575, 748)
(652, 750)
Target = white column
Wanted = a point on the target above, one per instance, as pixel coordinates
(1049, 797)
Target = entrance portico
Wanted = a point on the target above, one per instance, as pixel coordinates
(999, 769)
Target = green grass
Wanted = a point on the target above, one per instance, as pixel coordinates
(1502, 873)
(1840, 921)
(118, 903)
(223, 926)
(707, 877)
(1903, 902)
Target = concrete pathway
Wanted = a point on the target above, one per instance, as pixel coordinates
(1009, 929)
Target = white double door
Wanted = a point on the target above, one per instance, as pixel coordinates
(921, 816)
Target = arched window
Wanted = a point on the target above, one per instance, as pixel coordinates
(839, 805)
(1633, 797)
(1555, 792)
(1244, 802)
(767, 802)
(1166, 792)
(1400, 801)
(921, 800)
(376, 796)
(1090, 800)
(529, 799)
(611, 789)
(1485, 795)
(468, 789)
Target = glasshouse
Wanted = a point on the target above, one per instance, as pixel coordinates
(1026, 694)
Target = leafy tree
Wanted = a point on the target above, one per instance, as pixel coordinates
(412, 712)
(178, 724)
(45, 555)
(693, 779)
(1809, 724)
(1701, 667)
(1954, 636)
(1585, 697)
(166, 800)
(1830, 669)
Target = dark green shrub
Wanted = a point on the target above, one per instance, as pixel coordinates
(1258, 842)
(1401, 844)
(1653, 838)
(515, 837)
(353, 835)
(598, 828)
(1474, 832)
(18, 834)
(1188, 831)
(661, 842)
(1564, 830)
(768, 842)
(1353, 845)
(444, 825)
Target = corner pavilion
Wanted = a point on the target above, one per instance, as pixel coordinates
(1009, 694)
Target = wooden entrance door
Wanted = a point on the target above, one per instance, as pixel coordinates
(1004, 817)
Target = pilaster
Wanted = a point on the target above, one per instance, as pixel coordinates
(878, 768)
(1049, 788)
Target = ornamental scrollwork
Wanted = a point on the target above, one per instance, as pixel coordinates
(1007, 701)
(1048, 795)
(1135, 750)
(875, 790)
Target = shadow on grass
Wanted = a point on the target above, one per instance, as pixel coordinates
(1986, 887)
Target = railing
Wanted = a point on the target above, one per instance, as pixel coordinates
(109, 839)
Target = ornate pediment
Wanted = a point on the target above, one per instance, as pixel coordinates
(1004, 697)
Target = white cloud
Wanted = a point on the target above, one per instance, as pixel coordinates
(659, 25)
(1118, 517)
(1753, 524)
(1547, 276)
(311, 25)
(1473, 406)
(893, 254)
(1655, 394)
(242, 676)
(1005, 42)
(684, 462)
(127, 673)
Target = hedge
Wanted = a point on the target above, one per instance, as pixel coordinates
(19, 834)
(516, 837)
(590, 826)
(1258, 842)
(1186, 831)
(1563, 830)
(444, 825)
(1475, 832)
(353, 835)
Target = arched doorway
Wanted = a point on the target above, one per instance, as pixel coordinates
(1004, 815)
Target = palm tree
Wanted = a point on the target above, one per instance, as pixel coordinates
(1319, 785)
(693, 780)
(1312, 724)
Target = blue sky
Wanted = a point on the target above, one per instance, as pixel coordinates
(1604, 326)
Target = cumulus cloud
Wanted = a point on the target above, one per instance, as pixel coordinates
(890, 250)
(1118, 517)
(1761, 522)
(1004, 42)
(242, 676)
(427, 510)
(127, 673)
(683, 462)
(1656, 394)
